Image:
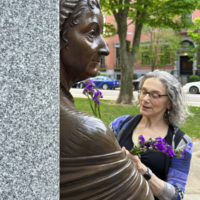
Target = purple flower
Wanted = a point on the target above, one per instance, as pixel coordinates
(160, 146)
(147, 144)
(155, 148)
(96, 100)
(97, 96)
(183, 153)
(159, 138)
(148, 149)
(164, 141)
(169, 151)
(180, 152)
(91, 92)
(89, 89)
(141, 139)
(89, 82)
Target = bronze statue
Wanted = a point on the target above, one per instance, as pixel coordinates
(92, 164)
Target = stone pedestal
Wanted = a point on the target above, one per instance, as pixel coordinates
(29, 99)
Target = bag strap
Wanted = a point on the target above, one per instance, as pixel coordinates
(126, 120)
(123, 123)
(178, 137)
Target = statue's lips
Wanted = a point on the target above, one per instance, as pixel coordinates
(95, 61)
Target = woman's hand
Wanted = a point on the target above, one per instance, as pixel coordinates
(136, 161)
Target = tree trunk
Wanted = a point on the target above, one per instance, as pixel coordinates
(126, 87)
(128, 56)
(136, 41)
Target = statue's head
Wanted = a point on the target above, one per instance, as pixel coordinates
(81, 42)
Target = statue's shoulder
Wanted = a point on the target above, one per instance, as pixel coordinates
(84, 132)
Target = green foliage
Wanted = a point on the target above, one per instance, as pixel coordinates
(194, 78)
(160, 48)
(102, 74)
(154, 13)
(111, 111)
(110, 30)
(191, 125)
(158, 13)
(195, 35)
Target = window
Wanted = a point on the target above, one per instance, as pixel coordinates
(146, 43)
(187, 44)
(103, 62)
(145, 59)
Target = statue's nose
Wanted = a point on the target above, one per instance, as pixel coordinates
(103, 50)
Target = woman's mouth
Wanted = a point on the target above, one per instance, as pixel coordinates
(146, 107)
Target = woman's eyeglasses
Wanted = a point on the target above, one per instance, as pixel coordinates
(152, 95)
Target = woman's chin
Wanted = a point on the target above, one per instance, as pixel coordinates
(144, 112)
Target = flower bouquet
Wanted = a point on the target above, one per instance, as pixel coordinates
(157, 145)
(93, 97)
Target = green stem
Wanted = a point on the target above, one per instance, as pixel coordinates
(91, 106)
(99, 111)
(95, 108)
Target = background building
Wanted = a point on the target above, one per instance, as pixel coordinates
(181, 68)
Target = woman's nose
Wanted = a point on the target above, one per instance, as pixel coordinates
(146, 97)
(103, 50)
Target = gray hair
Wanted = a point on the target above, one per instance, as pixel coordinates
(178, 110)
(69, 9)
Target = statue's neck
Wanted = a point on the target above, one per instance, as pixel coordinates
(66, 93)
(65, 78)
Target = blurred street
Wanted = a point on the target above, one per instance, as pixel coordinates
(193, 99)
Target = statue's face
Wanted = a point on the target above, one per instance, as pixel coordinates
(85, 47)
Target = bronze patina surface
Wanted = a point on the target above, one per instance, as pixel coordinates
(92, 164)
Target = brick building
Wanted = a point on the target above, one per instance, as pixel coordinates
(182, 67)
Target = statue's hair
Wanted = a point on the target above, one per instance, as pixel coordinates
(178, 110)
(66, 7)
(69, 10)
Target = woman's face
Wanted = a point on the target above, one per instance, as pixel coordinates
(149, 106)
(82, 57)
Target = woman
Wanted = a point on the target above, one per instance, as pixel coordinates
(162, 105)
(92, 164)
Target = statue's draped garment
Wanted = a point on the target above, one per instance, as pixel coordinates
(92, 164)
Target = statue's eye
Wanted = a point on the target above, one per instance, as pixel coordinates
(92, 34)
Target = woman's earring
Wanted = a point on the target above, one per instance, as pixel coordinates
(168, 112)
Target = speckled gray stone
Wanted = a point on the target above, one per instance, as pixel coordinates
(29, 99)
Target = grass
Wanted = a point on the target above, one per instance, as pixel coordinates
(192, 124)
(110, 111)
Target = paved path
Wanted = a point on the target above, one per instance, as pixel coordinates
(192, 197)
(193, 183)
